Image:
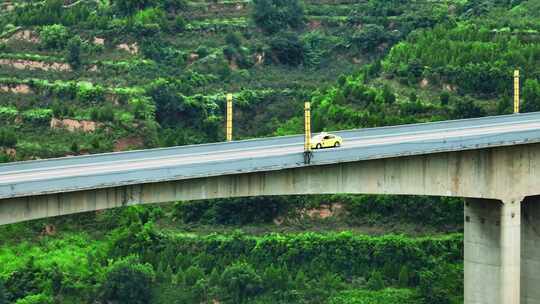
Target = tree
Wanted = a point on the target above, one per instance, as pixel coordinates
(3, 296)
(35, 299)
(75, 148)
(8, 138)
(403, 279)
(375, 282)
(466, 108)
(74, 52)
(128, 281)
(129, 7)
(233, 39)
(192, 275)
(54, 36)
(387, 94)
(369, 37)
(241, 282)
(273, 16)
(288, 49)
(56, 279)
(445, 98)
(180, 23)
(531, 96)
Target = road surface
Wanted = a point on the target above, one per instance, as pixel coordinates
(126, 168)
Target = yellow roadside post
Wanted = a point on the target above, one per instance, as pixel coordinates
(229, 117)
(516, 91)
(307, 128)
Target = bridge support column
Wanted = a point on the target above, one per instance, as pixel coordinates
(530, 251)
(492, 251)
(511, 252)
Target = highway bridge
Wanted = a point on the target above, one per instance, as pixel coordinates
(493, 162)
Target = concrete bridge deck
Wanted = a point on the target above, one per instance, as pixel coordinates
(261, 155)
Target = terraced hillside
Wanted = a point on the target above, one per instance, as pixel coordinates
(91, 76)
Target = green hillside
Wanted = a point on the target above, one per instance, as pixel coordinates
(91, 76)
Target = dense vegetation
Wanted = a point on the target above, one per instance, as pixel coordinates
(79, 77)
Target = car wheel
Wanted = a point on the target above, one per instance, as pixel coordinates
(319, 146)
(337, 144)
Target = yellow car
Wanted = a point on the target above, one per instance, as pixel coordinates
(325, 140)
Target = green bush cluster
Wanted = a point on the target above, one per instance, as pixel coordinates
(238, 211)
(477, 56)
(315, 261)
(385, 296)
(276, 15)
(54, 36)
(128, 281)
(8, 138)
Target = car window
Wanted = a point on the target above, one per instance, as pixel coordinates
(327, 137)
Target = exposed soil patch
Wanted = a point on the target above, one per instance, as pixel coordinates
(99, 41)
(74, 125)
(26, 35)
(35, 65)
(130, 48)
(314, 24)
(17, 89)
(128, 143)
(424, 83)
(324, 211)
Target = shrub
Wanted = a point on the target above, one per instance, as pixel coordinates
(531, 96)
(74, 52)
(174, 5)
(442, 284)
(8, 138)
(369, 37)
(3, 297)
(54, 36)
(413, 97)
(375, 282)
(445, 98)
(8, 113)
(202, 51)
(288, 49)
(38, 116)
(275, 15)
(25, 281)
(129, 7)
(403, 279)
(466, 108)
(35, 299)
(388, 96)
(240, 282)
(75, 147)
(233, 39)
(179, 24)
(386, 296)
(237, 211)
(129, 282)
(192, 275)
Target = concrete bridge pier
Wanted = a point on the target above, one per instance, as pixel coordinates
(502, 251)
